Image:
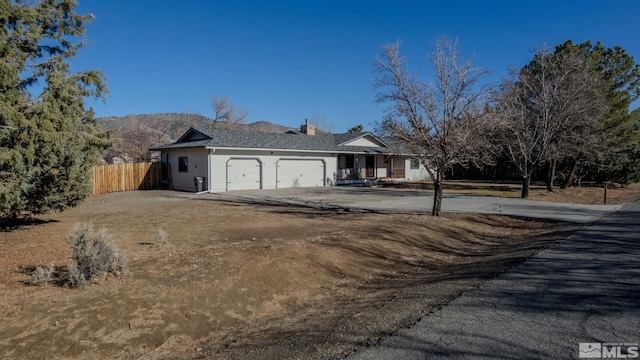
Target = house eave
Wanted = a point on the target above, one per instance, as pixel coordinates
(372, 152)
(334, 151)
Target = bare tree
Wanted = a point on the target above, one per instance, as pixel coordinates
(548, 111)
(226, 111)
(321, 123)
(135, 138)
(440, 123)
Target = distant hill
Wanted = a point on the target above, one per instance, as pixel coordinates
(134, 135)
(175, 124)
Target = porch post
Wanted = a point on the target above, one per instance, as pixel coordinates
(375, 167)
(356, 167)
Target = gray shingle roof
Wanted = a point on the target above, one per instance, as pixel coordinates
(222, 138)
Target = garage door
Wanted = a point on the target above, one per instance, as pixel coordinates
(300, 173)
(243, 174)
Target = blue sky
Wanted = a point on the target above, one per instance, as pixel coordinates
(285, 61)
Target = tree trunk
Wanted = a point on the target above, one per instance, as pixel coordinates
(437, 198)
(572, 174)
(551, 174)
(525, 186)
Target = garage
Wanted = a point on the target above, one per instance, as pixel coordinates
(300, 173)
(244, 174)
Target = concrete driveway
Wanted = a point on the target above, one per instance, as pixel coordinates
(375, 199)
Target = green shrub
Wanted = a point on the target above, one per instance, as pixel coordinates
(94, 254)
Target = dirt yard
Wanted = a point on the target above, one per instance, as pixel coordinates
(246, 281)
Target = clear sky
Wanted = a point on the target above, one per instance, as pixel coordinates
(285, 61)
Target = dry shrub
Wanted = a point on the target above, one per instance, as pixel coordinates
(161, 237)
(42, 275)
(94, 254)
(74, 277)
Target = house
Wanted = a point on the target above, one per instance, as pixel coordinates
(238, 160)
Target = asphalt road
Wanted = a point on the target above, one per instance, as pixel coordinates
(420, 201)
(585, 289)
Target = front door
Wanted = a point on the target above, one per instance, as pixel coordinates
(370, 165)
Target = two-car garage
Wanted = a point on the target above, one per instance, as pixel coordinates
(256, 173)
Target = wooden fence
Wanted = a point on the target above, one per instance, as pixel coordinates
(124, 177)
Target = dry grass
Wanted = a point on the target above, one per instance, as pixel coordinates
(576, 195)
(245, 281)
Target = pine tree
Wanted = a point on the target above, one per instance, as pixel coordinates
(49, 141)
(611, 139)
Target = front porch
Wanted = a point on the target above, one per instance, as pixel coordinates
(369, 169)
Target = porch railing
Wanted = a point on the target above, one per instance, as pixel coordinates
(397, 173)
(348, 174)
(353, 174)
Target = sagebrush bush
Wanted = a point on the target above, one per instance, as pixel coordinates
(42, 275)
(94, 254)
(74, 277)
(161, 237)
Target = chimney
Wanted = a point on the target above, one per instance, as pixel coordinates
(307, 128)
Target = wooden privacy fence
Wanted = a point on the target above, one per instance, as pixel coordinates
(124, 177)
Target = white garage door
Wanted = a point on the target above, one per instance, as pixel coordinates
(300, 173)
(243, 174)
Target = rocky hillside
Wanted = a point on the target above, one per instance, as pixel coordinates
(175, 124)
(135, 134)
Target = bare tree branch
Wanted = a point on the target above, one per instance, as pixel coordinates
(549, 108)
(440, 123)
(226, 111)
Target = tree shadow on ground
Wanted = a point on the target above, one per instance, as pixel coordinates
(294, 206)
(11, 224)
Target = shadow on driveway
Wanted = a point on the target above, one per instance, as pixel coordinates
(415, 201)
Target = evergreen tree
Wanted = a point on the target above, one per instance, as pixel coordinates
(620, 163)
(621, 87)
(48, 140)
(356, 129)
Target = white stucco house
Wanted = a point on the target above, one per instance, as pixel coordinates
(238, 160)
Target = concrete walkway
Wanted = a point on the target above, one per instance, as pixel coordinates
(585, 289)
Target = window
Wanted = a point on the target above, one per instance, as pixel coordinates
(183, 164)
(345, 161)
(415, 164)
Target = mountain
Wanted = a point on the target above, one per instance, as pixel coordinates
(134, 135)
(175, 124)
